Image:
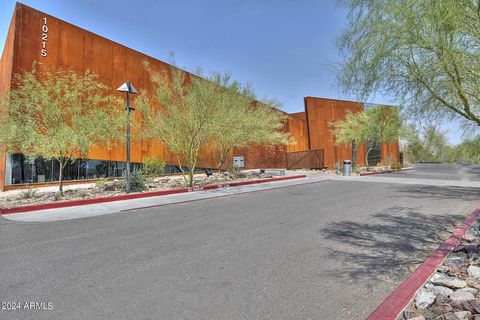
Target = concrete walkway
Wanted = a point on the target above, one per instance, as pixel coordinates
(91, 210)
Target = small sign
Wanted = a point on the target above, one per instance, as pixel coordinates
(239, 161)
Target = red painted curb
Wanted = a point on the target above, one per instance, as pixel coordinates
(391, 307)
(81, 202)
(388, 171)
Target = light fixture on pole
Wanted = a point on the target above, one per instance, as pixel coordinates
(129, 89)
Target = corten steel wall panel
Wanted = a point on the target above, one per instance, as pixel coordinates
(6, 67)
(390, 153)
(320, 114)
(69, 46)
(299, 115)
(297, 127)
(260, 156)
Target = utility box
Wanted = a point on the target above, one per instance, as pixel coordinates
(239, 162)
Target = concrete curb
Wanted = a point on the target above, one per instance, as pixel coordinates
(394, 304)
(388, 171)
(81, 202)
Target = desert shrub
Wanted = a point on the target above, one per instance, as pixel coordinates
(113, 186)
(137, 181)
(83, 193)
(153, 167)
(28, 193)
(395, 166)
(234, 169)
(101, 183)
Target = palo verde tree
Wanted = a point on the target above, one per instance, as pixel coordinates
(182, 114)
(188, 113)
(59, 114)
(244, 121)
(469, 150)
(376, 125)
(423, 53)
(428, 145)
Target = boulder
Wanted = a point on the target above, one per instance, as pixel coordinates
(447, 281)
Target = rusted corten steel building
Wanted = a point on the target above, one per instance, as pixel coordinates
(312, 129)
(36, 36)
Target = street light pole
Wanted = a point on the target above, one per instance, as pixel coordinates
(129, 89)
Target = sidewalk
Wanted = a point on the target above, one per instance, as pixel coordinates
(92, 210)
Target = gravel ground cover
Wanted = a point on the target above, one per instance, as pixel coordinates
(453, 291)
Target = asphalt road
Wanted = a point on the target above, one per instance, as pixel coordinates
(327, 250)
(441, 172)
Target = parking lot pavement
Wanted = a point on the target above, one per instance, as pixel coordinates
(442, 171)
(326, 250)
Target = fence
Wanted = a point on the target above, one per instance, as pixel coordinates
(309, 159)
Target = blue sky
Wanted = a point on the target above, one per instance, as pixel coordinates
(285, 48)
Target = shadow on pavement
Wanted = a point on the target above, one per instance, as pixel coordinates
(390, 246)
(443, 192)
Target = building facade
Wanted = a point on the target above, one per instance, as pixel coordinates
(34, 36)
(312, 129)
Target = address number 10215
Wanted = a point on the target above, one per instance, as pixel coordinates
(43, 52)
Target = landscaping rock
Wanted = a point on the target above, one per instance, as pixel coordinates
(424, 299)
(417, 318)
(447, 281)
(468, 237)
(455, 263)
(463, 315)
(472, 290)
(461, 294)
(439, 289)
(472, 252)
(441, 305)
(459, 248)
(473, 232)
(472, 305)
(447, 316)
(410, 312)
(474, 271)
(473, 282)
(443, 269)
